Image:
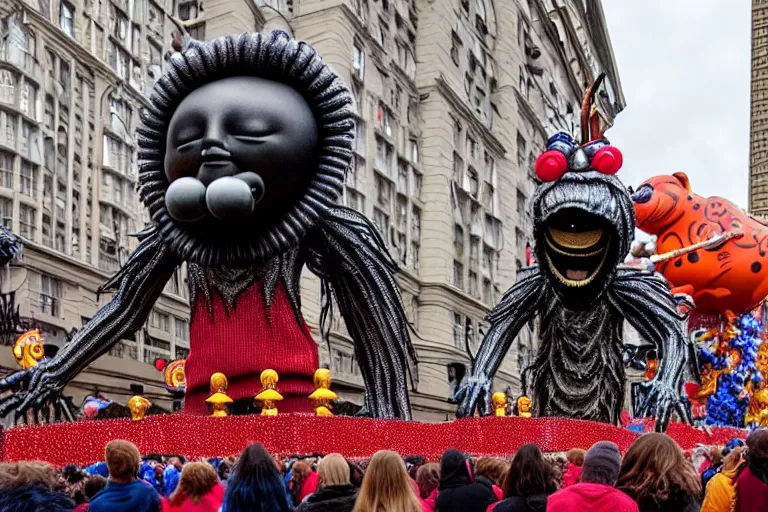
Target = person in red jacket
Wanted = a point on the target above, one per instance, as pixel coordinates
(199, 490)
(595, 490)
(752, 484)
(573, 471)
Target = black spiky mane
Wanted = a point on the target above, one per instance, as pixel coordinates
(275, 57)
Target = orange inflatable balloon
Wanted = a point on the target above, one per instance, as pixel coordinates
(731, 276)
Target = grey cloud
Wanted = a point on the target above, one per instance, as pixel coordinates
(685, 70)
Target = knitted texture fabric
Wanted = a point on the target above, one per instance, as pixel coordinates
(252, 338)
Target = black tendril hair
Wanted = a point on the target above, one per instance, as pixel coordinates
(274, 57)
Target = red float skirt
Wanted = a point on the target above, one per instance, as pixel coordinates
(244, 342)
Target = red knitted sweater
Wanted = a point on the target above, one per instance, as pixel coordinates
(252, 338)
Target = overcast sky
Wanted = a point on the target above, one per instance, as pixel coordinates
(685, 70)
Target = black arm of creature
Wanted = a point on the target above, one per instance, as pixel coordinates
(644, 299)
(351, 259)
(139, 284)
(519, 305)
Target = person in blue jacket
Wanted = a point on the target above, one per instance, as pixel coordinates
(124, 492)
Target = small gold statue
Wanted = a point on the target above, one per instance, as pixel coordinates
(757, 413)
(269, 394)
(322, 395)
(138, 405)
(219, 400)
(499, 401)
(28, 349)
(524, 407)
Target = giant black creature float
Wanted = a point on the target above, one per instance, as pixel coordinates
(583, 225)
(243, 153)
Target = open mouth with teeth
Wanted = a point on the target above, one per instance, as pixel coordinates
(577, 245)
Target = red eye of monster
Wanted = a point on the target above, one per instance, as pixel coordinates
(551, 165)
(607, 160)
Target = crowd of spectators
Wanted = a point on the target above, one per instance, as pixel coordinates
(654, 475)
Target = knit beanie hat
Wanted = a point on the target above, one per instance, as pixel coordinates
(602, 464)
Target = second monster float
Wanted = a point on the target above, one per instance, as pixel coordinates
(583, 224)
(243, 154)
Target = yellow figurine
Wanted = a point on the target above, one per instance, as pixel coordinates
(138, 405)
(499, 401)
(757, 413)
(524, 407)
(28, 349)
(269, 394)
(219, 400)
(322, 395)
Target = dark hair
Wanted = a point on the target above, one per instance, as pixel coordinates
(72, 474)
(93, 485)
(529, 474)
(224, 468)
(757, 454)
(255, 485)
(654, 471)
(155, 457)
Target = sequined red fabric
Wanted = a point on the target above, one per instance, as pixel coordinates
(243, 343)
(198, 436)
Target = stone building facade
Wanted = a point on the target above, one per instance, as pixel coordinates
(758, 174)
(454, 101)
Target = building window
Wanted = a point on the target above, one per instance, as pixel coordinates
(182, 329)
(28, 183)
(474, 285)
(458, 275)
(160, 321)
(29, 100)
(455, 48)
(6, 212)
(188, 10)
(487, 291)
(521, 206)
(471, 148)
(6, 169)
(197, 32)
(50, 295)
(27, 221)
(182, 353)
(385, 120)
(458, 242)
(458, 330)
(10, 131)
(381, 221)
(416, 184)
(473, 182)
(358, 61)
(414, 151)
(384, 156)
(7, 87)
(383, 192)
(355, 200)
(66, 16)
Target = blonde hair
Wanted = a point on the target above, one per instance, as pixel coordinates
(197, 479)
(21, 474)
(386, 486)
(333, 469)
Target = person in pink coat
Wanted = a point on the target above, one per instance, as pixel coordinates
(595, 491)
(199, 490)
